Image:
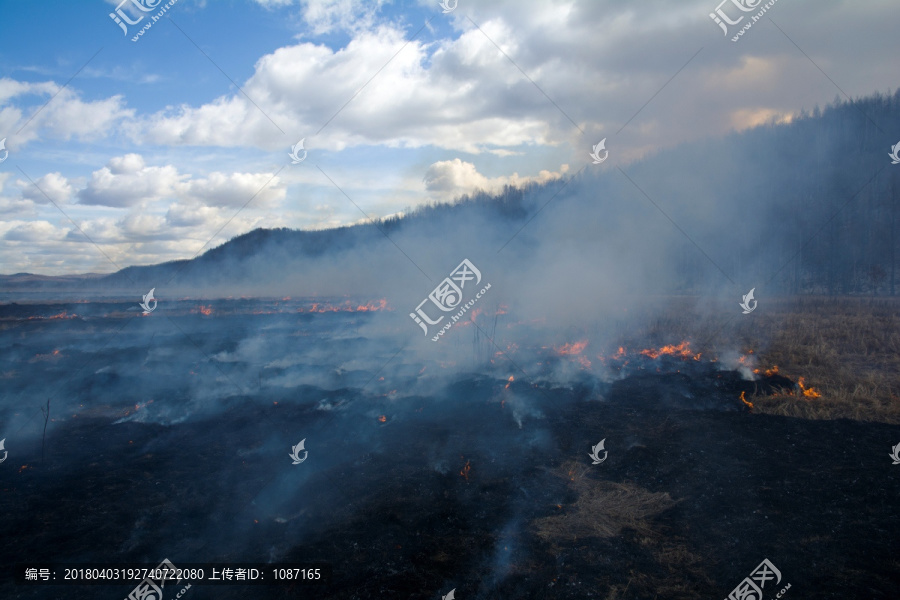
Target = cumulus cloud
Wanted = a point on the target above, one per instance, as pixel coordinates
(463, 94)
(65, 117)
(16, 208)
(448, 179)
(180, 215)
(29, 231)
(127, 181)
(11, 207)
(467, 99)
(235, 190)
(133, 211)
(51, 187)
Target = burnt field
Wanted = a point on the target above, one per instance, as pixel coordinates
(464, 468)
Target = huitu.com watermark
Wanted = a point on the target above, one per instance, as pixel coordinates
(296, 450)
(751, 588)
(122, 19)
(595, 452)
(448, 296)
(748, 298)
(151, 588)
(723, 20)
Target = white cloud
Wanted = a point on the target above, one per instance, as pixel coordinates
(180, 215)
(468, 99)
(449, 179)
(51, 187)
(16, 208)
(126, 181)
(59, 112)
(236, 190)
(324, 16)
(11, 208)
(28, 231)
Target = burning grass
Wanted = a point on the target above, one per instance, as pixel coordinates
(843, 352)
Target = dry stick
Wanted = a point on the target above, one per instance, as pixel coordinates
(44, 436)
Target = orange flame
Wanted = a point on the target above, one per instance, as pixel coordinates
(206, 310)
(62, 315)
(768, 372)
(809, 392)
(683, 350)
(382, 418)
(370, 306)
(465, 471)
(509, 381)
(54, 354)
(575, 348)
(745, 401)
(347, 306)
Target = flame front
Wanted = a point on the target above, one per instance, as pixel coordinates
(371, 306)
(347, 306)
(683, 350)
(63, 315)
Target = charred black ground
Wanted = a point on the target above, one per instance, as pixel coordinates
(414, 487)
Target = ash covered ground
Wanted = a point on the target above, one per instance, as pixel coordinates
(427, 470)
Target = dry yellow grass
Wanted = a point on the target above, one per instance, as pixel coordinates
(603, 509)
(848, 349)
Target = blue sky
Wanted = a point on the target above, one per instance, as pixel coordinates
(150, 149)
